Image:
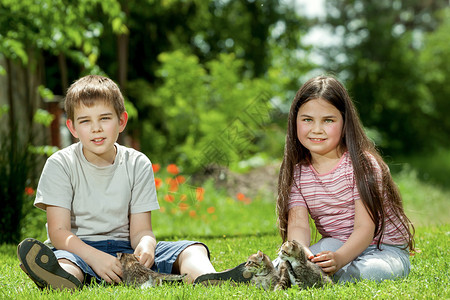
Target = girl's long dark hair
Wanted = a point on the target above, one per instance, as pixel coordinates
(354, 140)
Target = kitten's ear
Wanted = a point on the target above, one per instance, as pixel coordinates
(260, 254)
(119, 255)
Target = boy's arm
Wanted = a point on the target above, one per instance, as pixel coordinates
(106, 266)
(298, 227)
(142, 238)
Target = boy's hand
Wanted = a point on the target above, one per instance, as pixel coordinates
(328, 261)
(107, 267)
(145, 254)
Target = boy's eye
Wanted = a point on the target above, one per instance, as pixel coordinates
(84, 121)
(106, 118)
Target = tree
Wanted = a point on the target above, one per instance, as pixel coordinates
(378, 59)
(434, 62)
(28, 30)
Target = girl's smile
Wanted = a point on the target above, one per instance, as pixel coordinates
(319, 128)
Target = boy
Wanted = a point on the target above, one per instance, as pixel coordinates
(98, 196)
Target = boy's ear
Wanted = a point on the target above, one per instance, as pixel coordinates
(70, 125)
(123, 121)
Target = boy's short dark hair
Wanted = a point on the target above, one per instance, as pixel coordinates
(92, 88)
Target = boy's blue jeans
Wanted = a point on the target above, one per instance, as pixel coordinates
(165, 254)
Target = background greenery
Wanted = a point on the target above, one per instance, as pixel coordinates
(208, 85)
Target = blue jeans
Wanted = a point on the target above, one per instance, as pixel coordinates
(165, 254)
(390, 262)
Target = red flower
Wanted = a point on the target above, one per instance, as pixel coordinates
(169, 198)
(180, 179)
(183, 197)
(156, 167)
(173, 185)
(241, 197)
(211, 210)
(183, 206)
(199, 192)
(29, 191)
(158, 183)
(173, 169)
(192, 213)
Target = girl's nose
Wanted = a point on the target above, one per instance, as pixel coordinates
(317, 127)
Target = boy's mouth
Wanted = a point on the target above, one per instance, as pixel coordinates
(98, 140)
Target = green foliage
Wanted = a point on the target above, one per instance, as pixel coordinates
(15, 161)
(43, 117)
(422, 201)
(194, 111)
(378, 57)
(435, 66)
(55, 26)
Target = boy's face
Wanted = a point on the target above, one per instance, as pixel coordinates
(98, 128)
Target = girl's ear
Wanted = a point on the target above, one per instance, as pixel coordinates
(70, 125)
(123, 120)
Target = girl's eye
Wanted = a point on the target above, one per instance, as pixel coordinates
(307, 120)
(329, 121)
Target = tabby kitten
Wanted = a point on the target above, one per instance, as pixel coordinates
(137, 275)
(303, 272)
(265, 275)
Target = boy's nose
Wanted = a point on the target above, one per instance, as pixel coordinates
(96, 127)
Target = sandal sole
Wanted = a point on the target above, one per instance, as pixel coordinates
(40, 264)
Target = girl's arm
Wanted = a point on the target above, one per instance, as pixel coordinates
(298, 227)
(142, 238)
(358, 241)
(59, 229)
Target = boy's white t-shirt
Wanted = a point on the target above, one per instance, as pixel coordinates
(100, 199)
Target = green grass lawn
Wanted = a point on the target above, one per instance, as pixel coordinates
(236, 226)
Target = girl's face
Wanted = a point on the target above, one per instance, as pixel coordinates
(319, 128)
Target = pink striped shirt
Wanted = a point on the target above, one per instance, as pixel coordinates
(330, 199)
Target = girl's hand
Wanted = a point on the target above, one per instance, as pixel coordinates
(107, 267)
(309, 254)
(328, 261)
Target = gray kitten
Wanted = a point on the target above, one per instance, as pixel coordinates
(265, 275)
(303, 272)
(137, 275)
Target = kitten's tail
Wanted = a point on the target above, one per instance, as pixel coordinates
(173, 278)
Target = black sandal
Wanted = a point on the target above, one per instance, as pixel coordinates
(40, 264)
(236, 275)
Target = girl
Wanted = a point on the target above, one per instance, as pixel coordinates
(332, 172)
